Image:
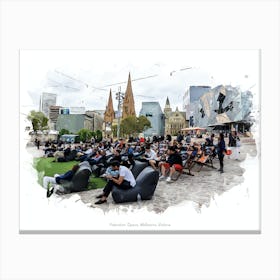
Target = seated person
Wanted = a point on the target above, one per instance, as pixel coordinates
(84, 155)
(125, 180)
(98, 162)
(47, 180)
(130, 162)
(61, 153)
(210, 140)
(139, 151)
(116, 155)
(180, 148)
(129, 149)
(194, 150)
(95, 159)
(151, 156)
(110, 171)
(188, 139)
(49, 151)
(173, 161)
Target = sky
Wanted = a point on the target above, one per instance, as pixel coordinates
(84, 77)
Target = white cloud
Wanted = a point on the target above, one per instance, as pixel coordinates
(91, 70)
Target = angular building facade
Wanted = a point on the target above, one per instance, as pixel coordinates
(223, 106)
(191, 96)
(152, 111)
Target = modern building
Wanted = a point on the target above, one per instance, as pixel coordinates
(223, 106)
(190, 97)
(46, 100)
(100, 113)
(154, 114)
(72, 110)
(97, 119)
(53, 115)
(74, 122)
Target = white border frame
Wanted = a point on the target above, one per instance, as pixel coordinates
(23, 25)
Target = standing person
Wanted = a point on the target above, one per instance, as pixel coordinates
(125, 181)
(236, 142)
(231, 142)
(221, 147)
(37, 142)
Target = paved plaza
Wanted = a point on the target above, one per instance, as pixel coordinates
(199, 189)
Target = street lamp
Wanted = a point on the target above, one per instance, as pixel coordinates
(119, 97)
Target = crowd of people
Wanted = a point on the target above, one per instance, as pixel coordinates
(113, 160)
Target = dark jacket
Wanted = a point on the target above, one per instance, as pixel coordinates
(221, 147)
(231, 141)
(174, 159)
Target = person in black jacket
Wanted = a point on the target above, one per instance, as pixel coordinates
(174, 160)
(221, 149)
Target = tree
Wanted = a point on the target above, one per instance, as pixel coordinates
(39, 120)
(143, 124)
(85, 134)
(98, 135)
(134, 125)
(114, 130)
(64, 131)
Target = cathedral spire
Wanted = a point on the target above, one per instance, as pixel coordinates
(128, 102)
(109, 113)
(167, 108)
(167, 103)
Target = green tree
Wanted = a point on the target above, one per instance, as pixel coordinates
(98, 135)
(131, 126)
(114, 130)
(143, 124)
(39, 120)
(85, 134)
(64, 131)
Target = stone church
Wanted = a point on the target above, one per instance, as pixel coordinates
(128, 109)
(174, 121)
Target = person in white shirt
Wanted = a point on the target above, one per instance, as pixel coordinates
(125, 181)
(151, 156)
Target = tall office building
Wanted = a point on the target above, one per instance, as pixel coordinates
(47, 99)
(154, 114)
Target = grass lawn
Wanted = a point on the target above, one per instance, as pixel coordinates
(46, 167)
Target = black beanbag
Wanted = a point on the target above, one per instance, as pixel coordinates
(78, 183)
(146, 183)
(138, 167)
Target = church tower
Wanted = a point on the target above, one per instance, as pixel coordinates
(109, 114)
(167, 108)
(128, 108)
